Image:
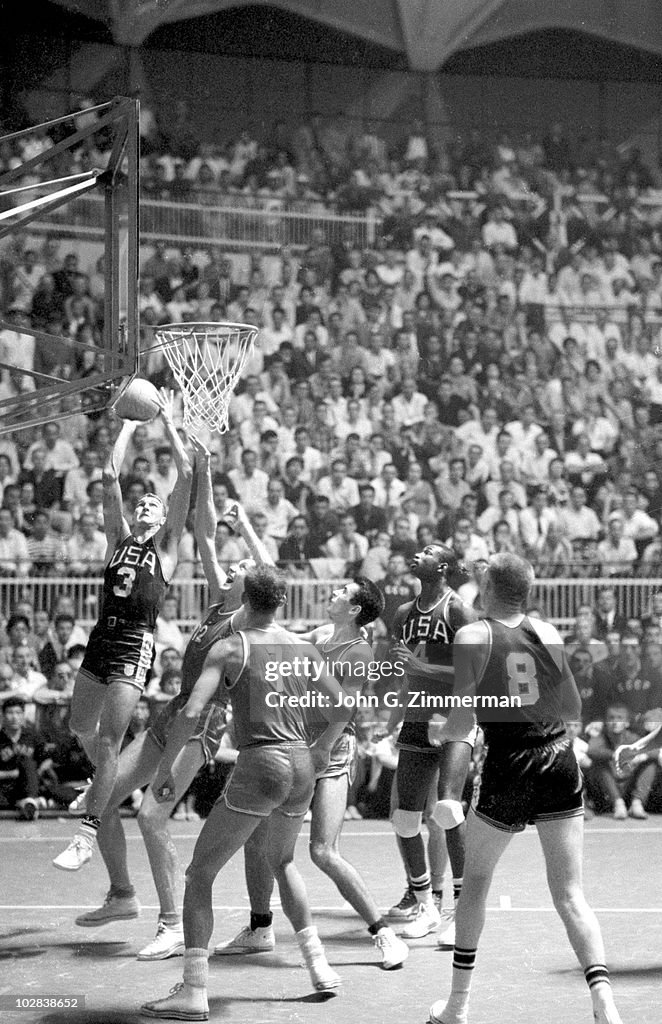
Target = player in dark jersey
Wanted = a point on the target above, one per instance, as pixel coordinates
(348, 655)
(140, 562)
(512, 674)
(140, 759)
(272, 780)
(423, 632)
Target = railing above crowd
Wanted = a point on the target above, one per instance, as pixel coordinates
(233, 222)
(267, 222)
(307, 599)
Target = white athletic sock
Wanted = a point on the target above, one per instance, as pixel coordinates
(196, 968)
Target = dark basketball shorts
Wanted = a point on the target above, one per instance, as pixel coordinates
(208, 732)
(342, 759)
(123, 654)
(271, 777)
(524, 786)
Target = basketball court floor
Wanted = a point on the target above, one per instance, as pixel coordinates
(526, 973)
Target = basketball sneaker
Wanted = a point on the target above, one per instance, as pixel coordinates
(440, 1014)
(183, 1003)
(115, 908)
(77, 853)
(406, 908)
(394, 951)
(168, 942)
(249, 940)
(322, 975)
(446, 930)
(427, 920)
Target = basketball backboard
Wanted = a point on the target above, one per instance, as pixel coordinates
(32, 200)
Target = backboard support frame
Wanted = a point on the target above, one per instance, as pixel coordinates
(118, 356)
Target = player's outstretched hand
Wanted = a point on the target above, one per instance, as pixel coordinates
(167, 403)
(202, 453)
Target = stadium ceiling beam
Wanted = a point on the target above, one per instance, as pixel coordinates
(434, 30)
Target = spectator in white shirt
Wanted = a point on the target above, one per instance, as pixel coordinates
(253, 427)
(504, 510)
(440, 241)
(617, 553)
(249, 482)
(391, 270)
(60, 455)
(14, 556)
(86, 549)
(388, 488)
(272, 336)
(278, 510)
(524, 430)
(534, 467)
(409, 405)
(482, 432)
(637, 524)
(165, 473)
(468, 545)
(241, 406)
(497, 231)
(341, 490)
(421, 260)
(534, 523)
(77, 479)
(601, 433)
(347, 545)
(354, 422)
(584, 466)
(312, 458)
(578, 520)
(507, 481)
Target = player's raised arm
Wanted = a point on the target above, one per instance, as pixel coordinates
(204, 524)
(115, 525)
(170, 533)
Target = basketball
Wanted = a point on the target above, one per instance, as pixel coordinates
(139, 401)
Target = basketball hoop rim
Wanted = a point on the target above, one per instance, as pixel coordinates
(183, 329)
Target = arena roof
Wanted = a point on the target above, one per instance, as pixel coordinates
(427, 31)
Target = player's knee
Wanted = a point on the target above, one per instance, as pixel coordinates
(153, 817)
(448, 813)
(406, 824)
(321, 854)
(198, 877)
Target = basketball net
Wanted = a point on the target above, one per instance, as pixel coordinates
(207, 360)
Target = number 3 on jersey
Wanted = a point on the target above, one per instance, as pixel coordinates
(127, 577)
(522, 678)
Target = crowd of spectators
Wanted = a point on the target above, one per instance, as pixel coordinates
(487, 373)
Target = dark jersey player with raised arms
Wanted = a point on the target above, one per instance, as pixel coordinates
(140, 561)
(423, 631)
(517, 666)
